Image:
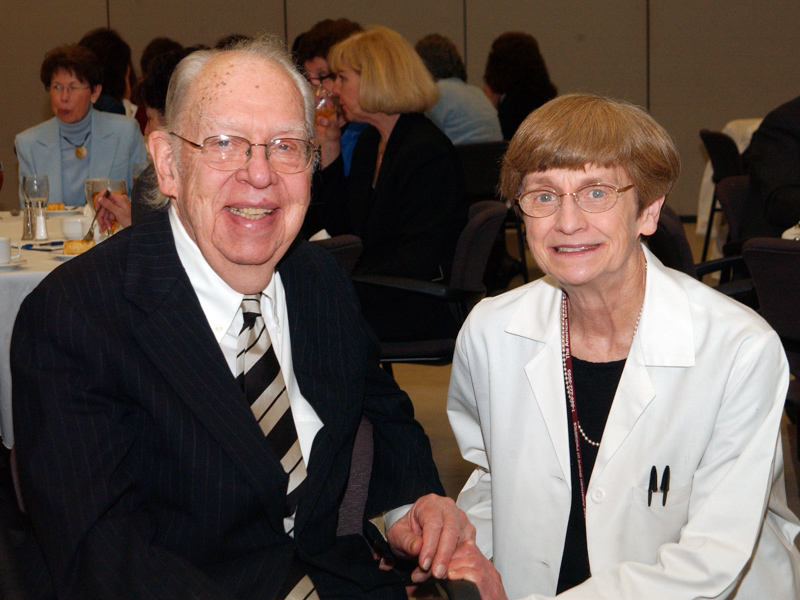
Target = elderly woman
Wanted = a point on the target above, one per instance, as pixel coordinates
(404, 194)
(624, 418)
(79, 142)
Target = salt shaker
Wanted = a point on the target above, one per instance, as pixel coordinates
(40, 222)
(27, 221)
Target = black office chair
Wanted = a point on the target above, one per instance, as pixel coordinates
(726, 161)
(774, 265)
(461, 294)
(481, 163)
(671, 247)
(346, 249)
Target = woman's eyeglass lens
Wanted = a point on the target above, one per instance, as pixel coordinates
(594, 198)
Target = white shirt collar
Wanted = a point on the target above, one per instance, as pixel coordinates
(219, 301)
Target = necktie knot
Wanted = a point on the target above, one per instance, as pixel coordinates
(251, 308)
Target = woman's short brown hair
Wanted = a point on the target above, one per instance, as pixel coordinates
(393, 77)
(574, 130)
(75, 59)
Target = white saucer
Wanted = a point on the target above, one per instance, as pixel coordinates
(64, 257)
(12, 265)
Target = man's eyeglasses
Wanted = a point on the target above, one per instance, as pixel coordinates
(592, 198)
(72, 89)
(230, 153)
(318, 79)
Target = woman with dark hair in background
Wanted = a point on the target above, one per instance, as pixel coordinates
(114, 54)
(404, 195)
(516, 79)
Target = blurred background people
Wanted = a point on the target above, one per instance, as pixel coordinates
(463, 112)
(311, 55)
(79, 142)
(156, 47)
(516, 79)
(773, 163)
(404, 195)
(119, 76)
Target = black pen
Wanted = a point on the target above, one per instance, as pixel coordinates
(653, 485)
(664, 486)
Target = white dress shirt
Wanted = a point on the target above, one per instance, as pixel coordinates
(222, 306)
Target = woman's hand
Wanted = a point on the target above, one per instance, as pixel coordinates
(116, 208)
(469, 563)
(329, 135)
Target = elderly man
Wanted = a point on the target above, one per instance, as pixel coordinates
(187, 394)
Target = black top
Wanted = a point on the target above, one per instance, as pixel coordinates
(595, 385)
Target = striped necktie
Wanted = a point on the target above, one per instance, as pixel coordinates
(259, 374)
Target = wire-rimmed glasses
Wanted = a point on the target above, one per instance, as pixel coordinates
(230, 153)
(592, 198)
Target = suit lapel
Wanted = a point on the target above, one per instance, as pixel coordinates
(174, 333)
(322, 353)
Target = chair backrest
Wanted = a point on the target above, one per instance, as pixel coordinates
(345, 248)
(723, 153)
(774, 265)
(670, 245)
(475, 243)
(732, 195)
(481, 164)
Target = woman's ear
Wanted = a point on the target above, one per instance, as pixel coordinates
(649, 218)
(161, 149)
(96, 91)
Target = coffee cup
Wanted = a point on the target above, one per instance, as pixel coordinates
(5, 250)
(74, 228)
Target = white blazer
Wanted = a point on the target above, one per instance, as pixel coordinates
(702, 391)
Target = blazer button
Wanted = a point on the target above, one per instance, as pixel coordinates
(598, 495)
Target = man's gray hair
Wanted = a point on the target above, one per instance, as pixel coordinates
(178, 97)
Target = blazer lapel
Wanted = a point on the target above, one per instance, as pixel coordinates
(47, 151)
(104, 147)
(173, 332)
(664, 339)
(539, 321)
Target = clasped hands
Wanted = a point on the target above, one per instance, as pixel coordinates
(437, 533)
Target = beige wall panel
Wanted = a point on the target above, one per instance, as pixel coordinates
(27, 31)
(715, 61)
(412, 18)
(587, 46)
(193, 21)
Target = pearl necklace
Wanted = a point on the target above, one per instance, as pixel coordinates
(565, 354)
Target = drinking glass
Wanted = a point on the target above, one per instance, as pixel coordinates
(35, 188)
(325, 104)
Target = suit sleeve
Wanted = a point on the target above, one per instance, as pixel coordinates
(403, 469)
(77, 438)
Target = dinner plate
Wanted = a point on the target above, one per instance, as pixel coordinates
(64, 257)
(67, 212)
(12, 265)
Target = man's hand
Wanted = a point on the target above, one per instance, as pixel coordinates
(114, 209)
(431, 530)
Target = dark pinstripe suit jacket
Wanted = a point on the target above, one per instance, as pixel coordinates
(145, 474)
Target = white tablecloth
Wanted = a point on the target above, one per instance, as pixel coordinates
(14, 286)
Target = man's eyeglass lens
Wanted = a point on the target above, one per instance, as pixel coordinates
(229, 153)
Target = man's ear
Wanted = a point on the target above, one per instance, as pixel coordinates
(160, 147)
(649, 218)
